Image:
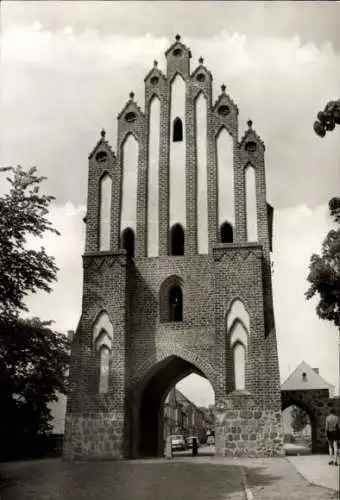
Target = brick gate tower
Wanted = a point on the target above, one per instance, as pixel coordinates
(177, 274)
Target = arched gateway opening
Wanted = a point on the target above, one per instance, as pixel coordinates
(300, 427)
(298, 430)
(158, 416)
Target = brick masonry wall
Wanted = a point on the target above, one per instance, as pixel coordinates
(244, 429)
(108, 425)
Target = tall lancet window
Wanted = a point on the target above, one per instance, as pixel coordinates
(237, 330)
(104, 357)
(239, 361)
(177, 135)
(102, 340)
(105, 212)
(251, 207)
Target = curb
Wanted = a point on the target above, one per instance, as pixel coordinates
(247, 490)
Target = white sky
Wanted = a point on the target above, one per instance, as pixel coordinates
(67, 71)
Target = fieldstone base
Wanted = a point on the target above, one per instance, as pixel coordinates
(93, 437)
(243, 429)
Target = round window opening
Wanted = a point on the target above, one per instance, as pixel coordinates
(130, 117)
(177, 52)
(101, 156)
(223, 110)
(154, 80)
(200, 77)
(250, 146)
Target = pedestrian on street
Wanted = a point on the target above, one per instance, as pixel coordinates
(168, 448)
(194, 447)
(332, 433)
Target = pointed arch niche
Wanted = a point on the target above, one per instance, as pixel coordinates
(177, 209)
(105, 189)
(202, 184)
(102, 336)
(130, 148)
(237, 326)
(171, 299)
(225, 177)
(153, 179)
(251, 209)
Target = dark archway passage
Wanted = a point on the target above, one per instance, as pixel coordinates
(165, 375)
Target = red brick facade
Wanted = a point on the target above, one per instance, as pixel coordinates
(149, 355)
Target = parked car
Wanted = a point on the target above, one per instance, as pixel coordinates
(178, 442)
(189, 441)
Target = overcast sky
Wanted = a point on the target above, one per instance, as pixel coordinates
(67, 69)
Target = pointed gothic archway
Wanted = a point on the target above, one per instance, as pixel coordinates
(148, 415)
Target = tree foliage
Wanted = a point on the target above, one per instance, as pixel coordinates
(324, 271)
(23, 214)
(33, 361)
(33, 358)
(299, 419)
(328, 118)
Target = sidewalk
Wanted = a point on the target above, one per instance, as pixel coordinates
(289, 478)
(316, 470)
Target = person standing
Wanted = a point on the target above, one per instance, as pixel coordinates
(332, 433)
(194, 447)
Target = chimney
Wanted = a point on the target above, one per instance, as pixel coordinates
(70, 335)
(316, 370)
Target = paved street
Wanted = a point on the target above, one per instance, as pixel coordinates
(203, 478)
(130, 480)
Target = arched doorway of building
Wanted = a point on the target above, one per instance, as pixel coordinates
(163, 409)
(299, 429)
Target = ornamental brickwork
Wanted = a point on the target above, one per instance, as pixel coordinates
(147, 322)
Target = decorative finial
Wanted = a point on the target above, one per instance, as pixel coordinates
(249, 123)
(223, 87)
(201, 60)
(132, 95)
(155, 63)
(178, 37)
(102, 133)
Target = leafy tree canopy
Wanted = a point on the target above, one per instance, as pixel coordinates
(33, 358)
(324, 271)
(33, 361)
(23, 213)
(299, 419)
(328, 118)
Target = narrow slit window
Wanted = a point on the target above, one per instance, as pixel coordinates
(177, 130)
(128, 241)
(177, 240)
(226, 231)
(175, 304)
